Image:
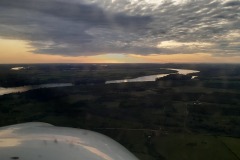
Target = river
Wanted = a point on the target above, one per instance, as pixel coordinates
(31, 87)
(10, 90)
(152, 78)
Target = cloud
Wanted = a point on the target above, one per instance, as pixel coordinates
(93, 27)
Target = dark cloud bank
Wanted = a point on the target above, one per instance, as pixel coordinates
(77, 27)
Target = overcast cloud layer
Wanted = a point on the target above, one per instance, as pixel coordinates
(92, 27)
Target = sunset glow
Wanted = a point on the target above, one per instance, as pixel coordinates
(17, 51)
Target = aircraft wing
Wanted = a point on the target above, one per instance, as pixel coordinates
(36, 141)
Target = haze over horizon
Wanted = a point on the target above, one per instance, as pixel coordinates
(120, 31)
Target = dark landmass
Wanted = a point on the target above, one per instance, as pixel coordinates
(173, 118)
(175, 77)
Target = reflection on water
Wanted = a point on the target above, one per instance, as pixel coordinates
(27, 88)
(194, 77)
(4, 91)
(139, 79)
(183, 71)
(17, 68)
(152, 78)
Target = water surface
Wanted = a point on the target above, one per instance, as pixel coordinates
(152, 78)
(9, 90)
(17, 68)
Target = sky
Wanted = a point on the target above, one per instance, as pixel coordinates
(120, 31)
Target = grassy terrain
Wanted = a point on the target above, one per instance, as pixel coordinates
(232, 144)
(167, 119)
